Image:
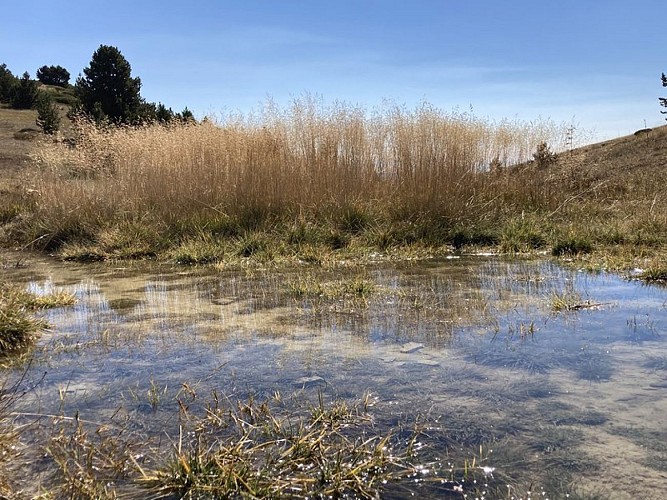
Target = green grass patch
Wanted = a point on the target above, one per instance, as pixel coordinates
(573, 245)
(310, 286)
(18, 325)
(472, 236)
(654, 275)
(198, 251)
(521, 235)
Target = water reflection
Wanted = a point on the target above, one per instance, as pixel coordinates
(472, 346)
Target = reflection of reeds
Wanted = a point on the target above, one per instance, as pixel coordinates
(655, 275)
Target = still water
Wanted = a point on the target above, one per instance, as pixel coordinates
(556, 403)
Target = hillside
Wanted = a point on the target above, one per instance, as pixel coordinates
(18, 133)
(15, 146)
(618, 162)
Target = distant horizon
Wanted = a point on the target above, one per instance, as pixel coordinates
(597, 68)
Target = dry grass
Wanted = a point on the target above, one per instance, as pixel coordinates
(278, 448)
(395, 174)
(325, 454)
(18, 325)
(302, 182)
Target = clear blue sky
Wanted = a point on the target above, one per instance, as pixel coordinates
(594, 62)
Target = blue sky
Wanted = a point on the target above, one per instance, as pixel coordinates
(595, 63)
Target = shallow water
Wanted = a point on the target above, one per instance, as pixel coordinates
(561, 403)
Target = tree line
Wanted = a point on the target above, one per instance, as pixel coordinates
(106, 92)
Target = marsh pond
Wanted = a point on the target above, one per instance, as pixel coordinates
(491, 378)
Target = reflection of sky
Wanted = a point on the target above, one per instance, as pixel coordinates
(484, 341)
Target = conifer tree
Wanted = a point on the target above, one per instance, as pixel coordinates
(53, 75)
(24, 95)
(663, 100)
(47, 114)
(7, 83)
(107, 90)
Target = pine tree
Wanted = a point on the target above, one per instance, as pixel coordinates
(107, 89)
(25, 93)
(663, 100)
(163, 114)
(7, 83)
(48, 118)
(186, 116)
(53, 75)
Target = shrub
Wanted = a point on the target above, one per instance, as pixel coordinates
(48, 118)
(543, 156)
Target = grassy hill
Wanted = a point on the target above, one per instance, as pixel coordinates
(310, 191)
(61, 95)
(18, 133)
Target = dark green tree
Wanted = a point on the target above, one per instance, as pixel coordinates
(663, 100)
(7, 83)
(163, 114)
(25, 93)
(48, 118)
(186, 116)
(107, 90)
(53, 75)
(157, 113)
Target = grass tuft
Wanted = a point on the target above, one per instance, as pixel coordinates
(18, 325)
(654, 275)
(572, 246)
(250, 450)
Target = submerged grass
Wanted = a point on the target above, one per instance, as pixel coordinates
(252, 449)
(309, 286)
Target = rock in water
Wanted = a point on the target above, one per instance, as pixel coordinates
(428, 362)
(309, 382)
(411, 347)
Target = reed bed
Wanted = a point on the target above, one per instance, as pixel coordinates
(312, 172)
(313, 180)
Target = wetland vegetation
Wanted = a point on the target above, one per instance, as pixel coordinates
(441, 378)
(285, 305)
(18, 324)
(316, 183)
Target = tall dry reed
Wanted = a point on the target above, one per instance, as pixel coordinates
(309, 160)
